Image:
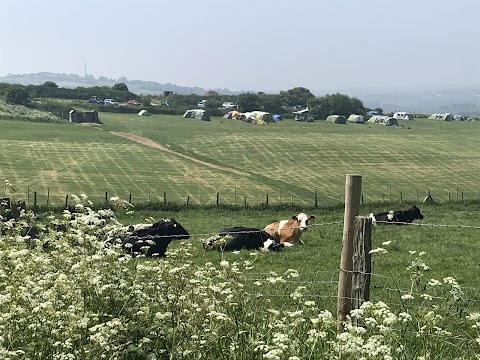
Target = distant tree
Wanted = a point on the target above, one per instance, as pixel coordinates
(50, 84)
(17, 95)
(379, 110)
(120, 87)
(249, 102)
(335, 104)
(146, 100)
(296, 96)
(271, 103)
(211, 93)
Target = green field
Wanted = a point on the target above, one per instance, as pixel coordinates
(287, 160)
(53, 295)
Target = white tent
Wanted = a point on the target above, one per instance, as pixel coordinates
(357, 119)
(143, 113)
(383, 120)
(200, 114)
(444, 117)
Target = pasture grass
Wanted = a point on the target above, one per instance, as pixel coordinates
(77, 299)
(450, 247)
(288, 160)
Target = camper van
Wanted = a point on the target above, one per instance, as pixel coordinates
(303, 115)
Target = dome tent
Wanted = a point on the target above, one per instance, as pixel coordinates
(357, 119)
(143, 113)
(383, 120)
(336, 119)
(197, 114)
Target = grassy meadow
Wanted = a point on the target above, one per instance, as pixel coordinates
(287, 160)
(78, 300)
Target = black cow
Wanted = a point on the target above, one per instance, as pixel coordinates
(155, 236)
(238, 237)
(397, 217)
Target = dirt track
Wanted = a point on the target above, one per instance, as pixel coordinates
(146, 141)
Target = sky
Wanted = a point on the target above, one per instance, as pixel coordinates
(261, 45)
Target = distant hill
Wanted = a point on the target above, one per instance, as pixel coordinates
(136, 86)
(455, 100)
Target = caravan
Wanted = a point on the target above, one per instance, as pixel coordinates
(403, 115)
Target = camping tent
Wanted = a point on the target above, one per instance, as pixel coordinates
(277, 117)
(444, 117)
(337, 119)
(383, 120)
(200, 114)
(143, 113)
(403, 115)
(260, 117)
(357, 119)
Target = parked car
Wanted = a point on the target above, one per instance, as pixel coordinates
(229, 105)
(134, 102)
(95, 100)
(111, 102)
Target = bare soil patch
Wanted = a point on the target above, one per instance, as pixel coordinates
(148, 142)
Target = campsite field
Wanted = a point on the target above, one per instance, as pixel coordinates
(287, 160)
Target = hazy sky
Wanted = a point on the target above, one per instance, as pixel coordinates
(266, 45)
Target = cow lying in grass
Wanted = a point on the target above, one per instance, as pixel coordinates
(152, 239)
(237, 238)
(289, 232)
(397, 217)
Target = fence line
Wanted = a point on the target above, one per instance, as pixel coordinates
(234, 197)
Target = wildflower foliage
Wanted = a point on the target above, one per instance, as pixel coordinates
(75, 295)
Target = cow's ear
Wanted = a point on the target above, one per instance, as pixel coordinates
(294, 217)
(311, 217)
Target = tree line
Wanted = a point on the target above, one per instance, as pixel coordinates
(283, 103)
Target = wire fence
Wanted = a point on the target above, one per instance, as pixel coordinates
(48, 197)
(323, 284)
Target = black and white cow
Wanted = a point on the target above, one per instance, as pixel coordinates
(154, 238)
(238, 237)
(397, 217)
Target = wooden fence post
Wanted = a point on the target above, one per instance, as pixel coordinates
(353, 190)
(48, 196)
(35, 200)
(164, 197)
(218, 196)
(245, 200)
(316, 200)
(401, 197)
(188, 200)
(28, 196)
(66, 201)
(130, 196)
(266, 200)
(362, 262)
(106, 198)
(235, 195)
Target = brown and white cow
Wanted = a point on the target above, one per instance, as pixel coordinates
(288, 232)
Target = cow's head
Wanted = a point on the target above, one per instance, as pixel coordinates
(415, 212)
(173, 227)
(302, 220)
